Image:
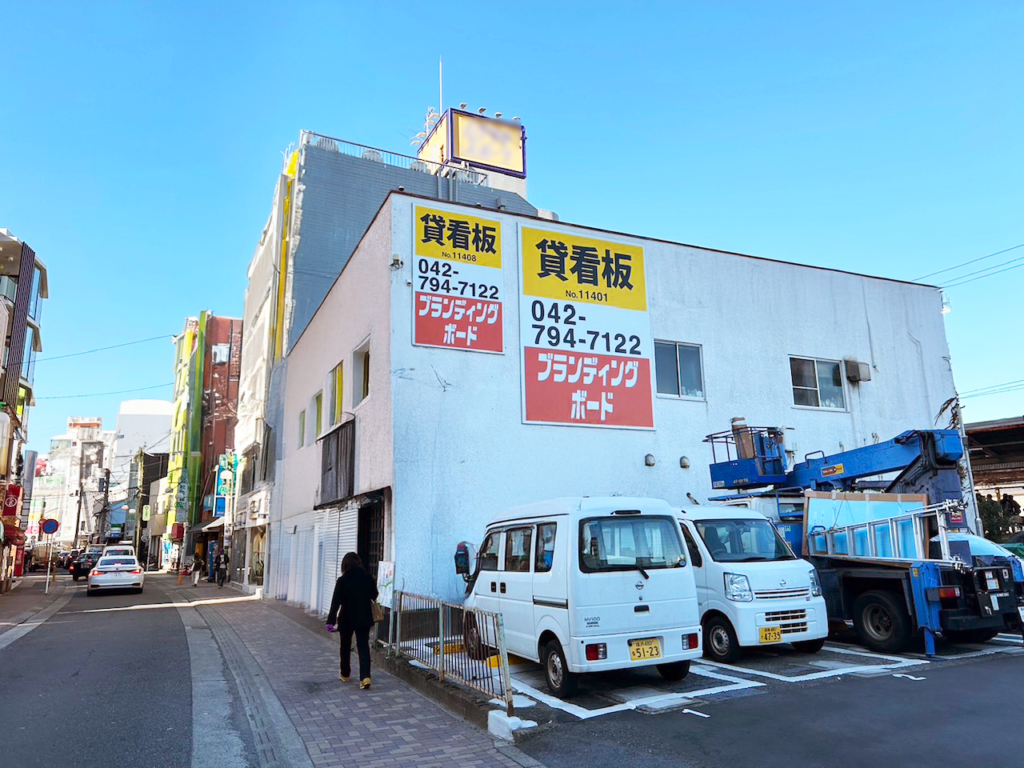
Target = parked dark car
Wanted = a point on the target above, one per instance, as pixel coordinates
(84, 564)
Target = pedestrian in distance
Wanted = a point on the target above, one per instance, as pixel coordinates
(221, 564)
(352, 614)
(197, 570)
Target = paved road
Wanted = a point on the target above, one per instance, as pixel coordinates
(87, 685)
(961, 713)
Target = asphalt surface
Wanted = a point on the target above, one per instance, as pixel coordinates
(99, 689)
(959, 714)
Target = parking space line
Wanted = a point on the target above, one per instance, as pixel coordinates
(732, 684)
(897, 663)
(1004, 637)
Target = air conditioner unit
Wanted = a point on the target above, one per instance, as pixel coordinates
(857, 371)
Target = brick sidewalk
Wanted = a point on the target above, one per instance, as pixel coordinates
(340, 725)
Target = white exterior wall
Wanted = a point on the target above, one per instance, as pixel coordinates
(443, 428)
(354, 311)
(462, 453)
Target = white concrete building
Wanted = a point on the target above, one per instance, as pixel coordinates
(141, 425)
(562, 360)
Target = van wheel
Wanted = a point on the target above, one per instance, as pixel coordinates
(720, 643)
(674, 672)
(475, 647)
(74, 577)
(882, 622)
(560, 680)
(809, 646)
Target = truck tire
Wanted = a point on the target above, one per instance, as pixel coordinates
(720, 643)
(560, 680)
(882, 622)
(970, 635)
(674, 672)
(809, 646)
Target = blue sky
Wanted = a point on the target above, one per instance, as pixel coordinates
(141, 141)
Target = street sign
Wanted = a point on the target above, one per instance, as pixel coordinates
(49, 525)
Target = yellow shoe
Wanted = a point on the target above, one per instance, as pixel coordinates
(364, 684)
(343, 678)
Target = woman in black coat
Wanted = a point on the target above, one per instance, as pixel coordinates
(354, 593)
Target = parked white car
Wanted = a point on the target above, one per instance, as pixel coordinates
(116, 572)
(586, 585)
(752, 589)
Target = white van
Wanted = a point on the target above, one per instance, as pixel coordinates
(752, 589)
(588, 584)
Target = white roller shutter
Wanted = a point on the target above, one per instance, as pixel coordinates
(330, 563)
(348, 528)
(304, 576)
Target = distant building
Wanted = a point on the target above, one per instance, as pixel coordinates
(327, 194)
(23, 286)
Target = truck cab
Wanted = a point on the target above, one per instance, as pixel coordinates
(752, 589)
(588, 584)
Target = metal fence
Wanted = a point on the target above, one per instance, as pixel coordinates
(330, 144)
(463, 645)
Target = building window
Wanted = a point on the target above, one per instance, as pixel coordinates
(361, 370)
(817, 383)
(318, 405)
(337, 388)
(302, 428)
(679, 369)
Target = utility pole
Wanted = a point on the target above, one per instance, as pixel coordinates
(104, 515)
(78, 517)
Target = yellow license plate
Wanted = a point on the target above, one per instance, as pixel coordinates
(771, 634)
(641, 650)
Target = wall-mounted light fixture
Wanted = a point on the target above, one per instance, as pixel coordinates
(684, 463)
(649, 460)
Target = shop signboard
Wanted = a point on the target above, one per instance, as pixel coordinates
(585, 332)
(457, 281)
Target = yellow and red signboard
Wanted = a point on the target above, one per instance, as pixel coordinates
(585, 332)
(457, 281)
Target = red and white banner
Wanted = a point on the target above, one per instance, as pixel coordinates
(458, 283)
(585, 332)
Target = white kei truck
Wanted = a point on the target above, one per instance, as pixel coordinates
(588, 584)
(752, 590)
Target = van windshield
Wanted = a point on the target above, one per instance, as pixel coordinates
(629, 543)
(743, 541)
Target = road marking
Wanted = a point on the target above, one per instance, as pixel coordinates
(691, 712)
(33, 621)
(895, 662)
(910, 677)
(179, 606)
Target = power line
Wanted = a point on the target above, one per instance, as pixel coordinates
(992, 386)
(99, 394)
(993, 392)
(990, 274)
(103, 349)
(972, 261)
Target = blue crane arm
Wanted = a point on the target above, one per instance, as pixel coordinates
(903, 451)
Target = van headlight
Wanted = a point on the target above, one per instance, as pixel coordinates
(737, 588)
(815, 584)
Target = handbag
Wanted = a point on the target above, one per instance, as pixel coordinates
(378, 611)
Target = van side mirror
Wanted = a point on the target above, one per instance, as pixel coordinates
(462, 560)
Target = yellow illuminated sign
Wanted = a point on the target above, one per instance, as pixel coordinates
(484, 141)
(575, 268)
(457, 237)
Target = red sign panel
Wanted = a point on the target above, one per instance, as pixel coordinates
(12, 500)
(595, 390)
(462, 323)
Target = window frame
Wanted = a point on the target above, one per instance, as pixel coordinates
(817, 384)
(338, 391)
(318, 404)
(302, 428)
(361, 374)
(527, 548)
(679, 379)
(498, 553)
(539, 550)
